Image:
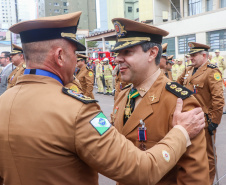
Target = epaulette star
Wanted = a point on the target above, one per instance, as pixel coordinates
(78, 96)
(178, 90)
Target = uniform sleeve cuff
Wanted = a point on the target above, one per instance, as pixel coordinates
(184, 131)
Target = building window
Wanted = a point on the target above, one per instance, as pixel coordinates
(171, 45)
(195, 7)
(56, 4)
(209, 5)
(216, 40)
(223, 3)
(137, 9)
(65, 3)
(56, 11)
(130, 9)
(65, 10)
(176, 3)
(183, 43)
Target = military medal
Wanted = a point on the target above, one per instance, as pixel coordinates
(195, 91)
(142, 135)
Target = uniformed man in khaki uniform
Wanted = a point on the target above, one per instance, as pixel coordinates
(164, 57)
(219, 62)
(85, 76)
(17, 58)
(143, 111)
(52, 135)
(168, 68)
(205, 80)
(108, 76)
(99, 76)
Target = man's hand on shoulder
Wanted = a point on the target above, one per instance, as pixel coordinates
(193, 121)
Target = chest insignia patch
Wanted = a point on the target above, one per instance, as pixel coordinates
(100, 123)
(90, 73)
(78, 96)
(178, 90)
(166, 155)
(217, 76)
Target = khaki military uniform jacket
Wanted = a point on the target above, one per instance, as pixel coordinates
(207, 83)
(168, 74)
(46, 138)
(156, 110)
(86, 79)
(18, 71)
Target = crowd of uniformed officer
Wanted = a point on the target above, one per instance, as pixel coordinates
(98, 146)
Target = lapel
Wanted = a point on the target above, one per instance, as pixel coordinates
(200, 71)
(144, 109)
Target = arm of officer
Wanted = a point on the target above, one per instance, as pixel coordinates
(193, 165)
(180, 79)
(110, 153)
(215, 83)
(90, 82)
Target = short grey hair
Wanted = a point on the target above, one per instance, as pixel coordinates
(147, 45)
(205, 52)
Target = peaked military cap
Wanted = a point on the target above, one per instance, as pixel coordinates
(48, 28)
(16, 49)
(80, 57)
(164, 48)
(170, 58)
(131, 33)
(197, 47)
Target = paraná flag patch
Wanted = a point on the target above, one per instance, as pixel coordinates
(100, 123)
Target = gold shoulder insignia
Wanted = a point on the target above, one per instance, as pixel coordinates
(129, 85)
(178, 90)
(78, 96)
(87, 67)
(211, 66)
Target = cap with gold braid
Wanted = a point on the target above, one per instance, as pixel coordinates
(164, 48)
(48, 28)
(16, 49)
(131, 33)
(170, 58)
(80, 57)
(197, 47)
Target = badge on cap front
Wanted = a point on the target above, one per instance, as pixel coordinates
(119, 28)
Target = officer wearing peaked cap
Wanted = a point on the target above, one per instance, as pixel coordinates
(205, 80)
(85, 76)
(164, 56)
(146, 107)
(64, 138)
(168, 67)
(17, 59)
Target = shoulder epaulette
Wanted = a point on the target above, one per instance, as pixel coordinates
(77, 96)
(211, 66)
(129, 85)
(24, 66)
(87, 67)
(178, 90)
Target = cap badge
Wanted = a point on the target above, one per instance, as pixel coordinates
(119, 28)
(191, 45)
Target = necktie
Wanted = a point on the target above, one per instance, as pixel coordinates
(130, 104)
(195, 69)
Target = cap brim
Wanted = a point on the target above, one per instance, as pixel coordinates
(15, 52)
(80, 47)
(123, 45)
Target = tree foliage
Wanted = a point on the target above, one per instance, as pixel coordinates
(91, 44)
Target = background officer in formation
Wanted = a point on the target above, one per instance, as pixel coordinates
(205, 80)
(85, 76)
(64, 138)
(219, 62)
(99, 76)
(143, 111)
(108, 76)
(17, 58)
(8, 67)
(168, 68)
(163, 59)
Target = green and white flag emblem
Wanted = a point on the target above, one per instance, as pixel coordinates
(100, 123)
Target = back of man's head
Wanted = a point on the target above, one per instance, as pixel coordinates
(6, 54)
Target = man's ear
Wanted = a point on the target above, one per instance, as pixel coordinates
(153, 52)
(58, 56)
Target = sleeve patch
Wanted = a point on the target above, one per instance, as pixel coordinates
(90, 73)
(217, 76)
(178, 90)
(211, 66)
(100, 123)
(78, 96)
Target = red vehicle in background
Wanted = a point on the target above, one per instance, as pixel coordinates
(102, 55)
